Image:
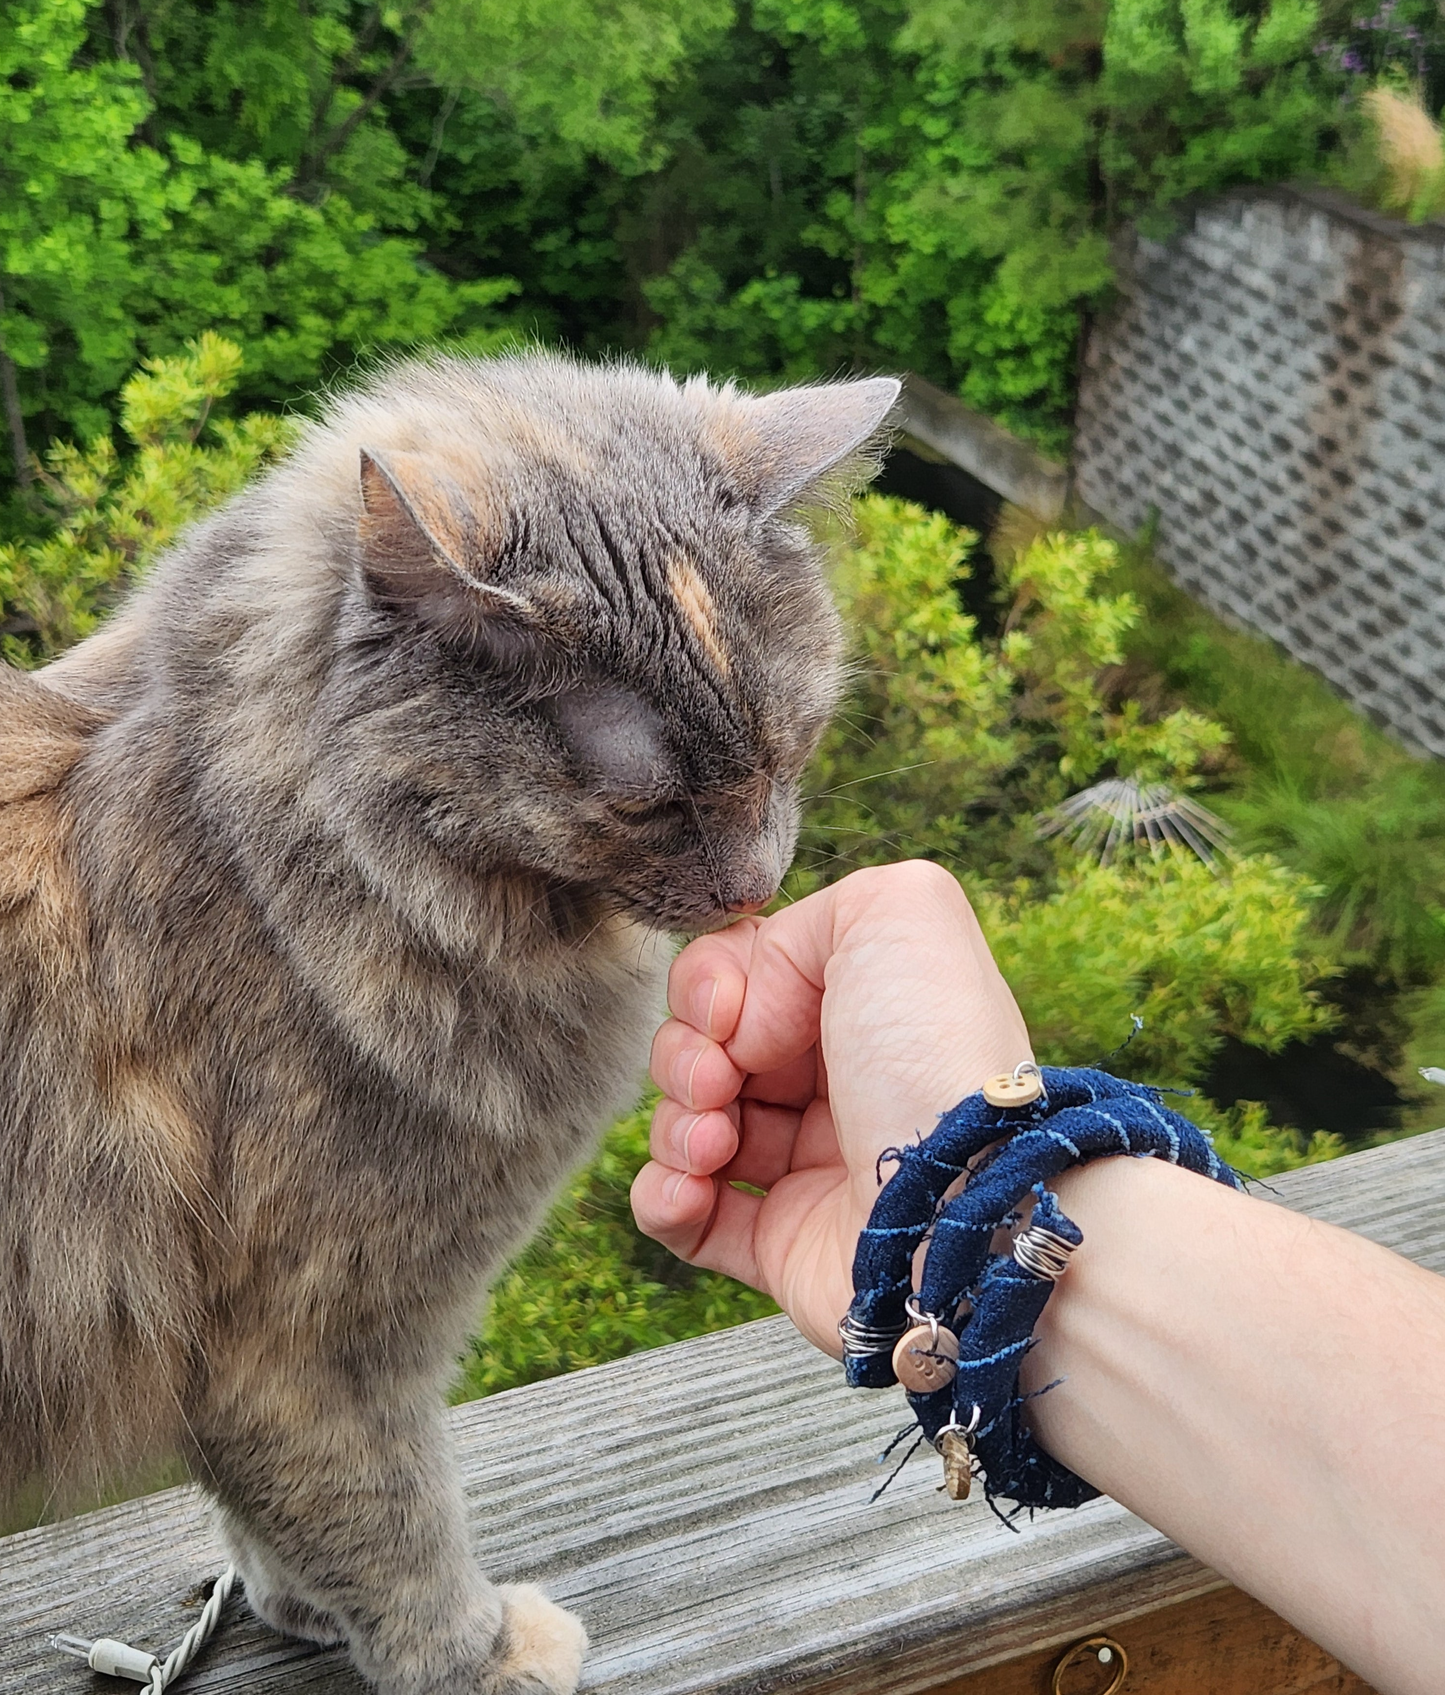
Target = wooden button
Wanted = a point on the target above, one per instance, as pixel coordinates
(1008, 1090)
(922, 1364)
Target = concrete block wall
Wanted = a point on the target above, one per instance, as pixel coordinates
(1270, 392)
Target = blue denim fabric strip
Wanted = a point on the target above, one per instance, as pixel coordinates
(989, 1300)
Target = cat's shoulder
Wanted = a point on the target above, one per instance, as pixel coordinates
(43, 733)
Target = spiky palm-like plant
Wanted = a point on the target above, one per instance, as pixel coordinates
(1103, 818)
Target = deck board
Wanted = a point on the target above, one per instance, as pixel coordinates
(706, 1509)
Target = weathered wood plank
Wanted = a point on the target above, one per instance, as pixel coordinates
(706, 1508)
(983, 448)
(1246, 1649)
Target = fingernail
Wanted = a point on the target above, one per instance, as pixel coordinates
(670, 1188)
(684, 1070)
(704, 999)
(687, 1131)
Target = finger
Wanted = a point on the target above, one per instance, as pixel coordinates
(695, 1071)
(793, 1084)
(699, 1219)
(706, 983)
(697, 1142)
(765, 1145)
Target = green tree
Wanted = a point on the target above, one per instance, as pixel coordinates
(936, 184)
(172, 168)
(118, 242)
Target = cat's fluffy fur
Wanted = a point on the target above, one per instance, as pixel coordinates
(331, 879)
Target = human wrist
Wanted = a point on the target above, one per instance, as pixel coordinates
(1145, 1224)
(958, 1342)
(1257, 1384)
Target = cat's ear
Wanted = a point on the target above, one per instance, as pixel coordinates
(801, 434)
(425, 549)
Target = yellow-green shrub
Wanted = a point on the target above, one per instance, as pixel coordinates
(114, 514)
(949, 743)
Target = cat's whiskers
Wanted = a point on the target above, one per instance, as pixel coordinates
(872, 777)
(709, 854)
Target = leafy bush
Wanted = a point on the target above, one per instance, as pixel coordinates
(1198, 954)
(949, 744)
(1317, 786)
(113, 515)
(589, 1288)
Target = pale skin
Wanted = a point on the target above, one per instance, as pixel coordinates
(1266, 1389)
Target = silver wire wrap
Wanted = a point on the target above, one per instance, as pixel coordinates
(1043, 1253)
(910, 1306)
(954, 1428)
(862, 1339)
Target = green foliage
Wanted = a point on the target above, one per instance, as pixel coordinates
(1327, 794)
(1198, 954)
(949, 744)
(581, 74)
(1062, 632)
(235, 168)
(774, 187)
(1244, 1136)
(1314, 784)
(936, 184)
(589, 1288)
(926, 732)
(113, 515)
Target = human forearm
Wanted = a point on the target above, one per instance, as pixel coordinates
(1267, 1390)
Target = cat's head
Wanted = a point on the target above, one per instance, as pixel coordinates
(597, 647)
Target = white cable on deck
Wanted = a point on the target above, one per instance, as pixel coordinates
(119, 1659)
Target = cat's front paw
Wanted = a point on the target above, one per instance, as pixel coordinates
(541, 1645)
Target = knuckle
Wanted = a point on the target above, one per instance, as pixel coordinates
(908, 879)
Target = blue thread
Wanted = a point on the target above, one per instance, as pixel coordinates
(1067, 1126)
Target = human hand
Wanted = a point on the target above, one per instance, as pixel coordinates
(800, 1047)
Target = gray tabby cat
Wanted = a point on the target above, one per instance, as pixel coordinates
(332, 877)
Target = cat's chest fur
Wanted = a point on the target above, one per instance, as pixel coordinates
(350, 1077)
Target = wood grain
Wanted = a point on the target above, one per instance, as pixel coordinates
(1238, 1645)
(707, 1509)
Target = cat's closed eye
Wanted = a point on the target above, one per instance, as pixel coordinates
(646, 810)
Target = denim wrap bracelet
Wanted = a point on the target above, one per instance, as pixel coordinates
(959, 1342)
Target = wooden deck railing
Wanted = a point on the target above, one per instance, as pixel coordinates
(995, 456)
(705, 1508)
